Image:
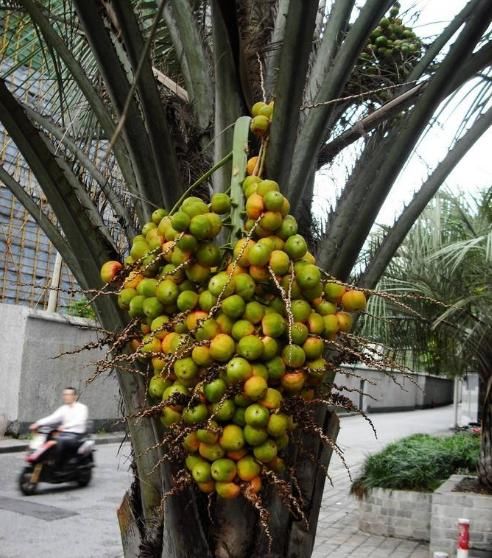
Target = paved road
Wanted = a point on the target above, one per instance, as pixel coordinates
(357, 439)
(92, 532)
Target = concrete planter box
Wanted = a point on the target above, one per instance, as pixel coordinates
(396, 513)
(449, 506)
(426, 516)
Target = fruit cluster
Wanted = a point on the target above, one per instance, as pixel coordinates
(392, 47)
(231, 334)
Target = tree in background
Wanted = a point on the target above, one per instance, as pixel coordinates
(444, 266)
(141, 99)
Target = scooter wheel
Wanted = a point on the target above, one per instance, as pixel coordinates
(84, 477)
(26, 486)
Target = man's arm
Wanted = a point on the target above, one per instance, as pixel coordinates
(52, 420)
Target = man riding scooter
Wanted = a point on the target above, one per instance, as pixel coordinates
(71, 422)
(58, 434)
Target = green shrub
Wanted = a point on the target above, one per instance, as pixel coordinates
(419, 462)
(81, 309)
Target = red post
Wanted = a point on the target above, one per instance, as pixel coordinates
(463, 542)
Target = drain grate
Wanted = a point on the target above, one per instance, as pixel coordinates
(39, 511)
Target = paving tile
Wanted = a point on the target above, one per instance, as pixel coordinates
(420, 552)
(390, 543)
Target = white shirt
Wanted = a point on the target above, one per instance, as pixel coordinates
(70, 418)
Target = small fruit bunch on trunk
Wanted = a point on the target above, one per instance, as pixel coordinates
(235, 334)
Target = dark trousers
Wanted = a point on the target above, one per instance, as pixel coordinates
(66, 444)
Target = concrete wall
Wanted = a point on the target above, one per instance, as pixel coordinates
(13, 320)
(396, 513)
(448, 506)
(394, 391)
(429, 516)
(32, 379)
(437, 391)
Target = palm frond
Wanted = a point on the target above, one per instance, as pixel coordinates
(443, 271)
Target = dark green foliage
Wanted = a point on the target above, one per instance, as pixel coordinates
(81, 309)
(419, 462)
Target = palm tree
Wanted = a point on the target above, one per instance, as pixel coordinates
(445, 267)
(120, 105)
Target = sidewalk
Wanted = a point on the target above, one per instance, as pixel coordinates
(338, 534)
(11, 445)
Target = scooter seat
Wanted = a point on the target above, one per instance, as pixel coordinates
(85, 446)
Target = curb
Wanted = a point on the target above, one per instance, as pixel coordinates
(15, 446)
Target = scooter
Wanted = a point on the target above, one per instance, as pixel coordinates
(76, 467)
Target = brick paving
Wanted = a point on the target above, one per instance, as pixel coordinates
(338, 534)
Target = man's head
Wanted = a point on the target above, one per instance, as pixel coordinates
(69, 395)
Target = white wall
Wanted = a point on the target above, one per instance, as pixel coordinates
(32, 377)
(393, 391)
(13, 321)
